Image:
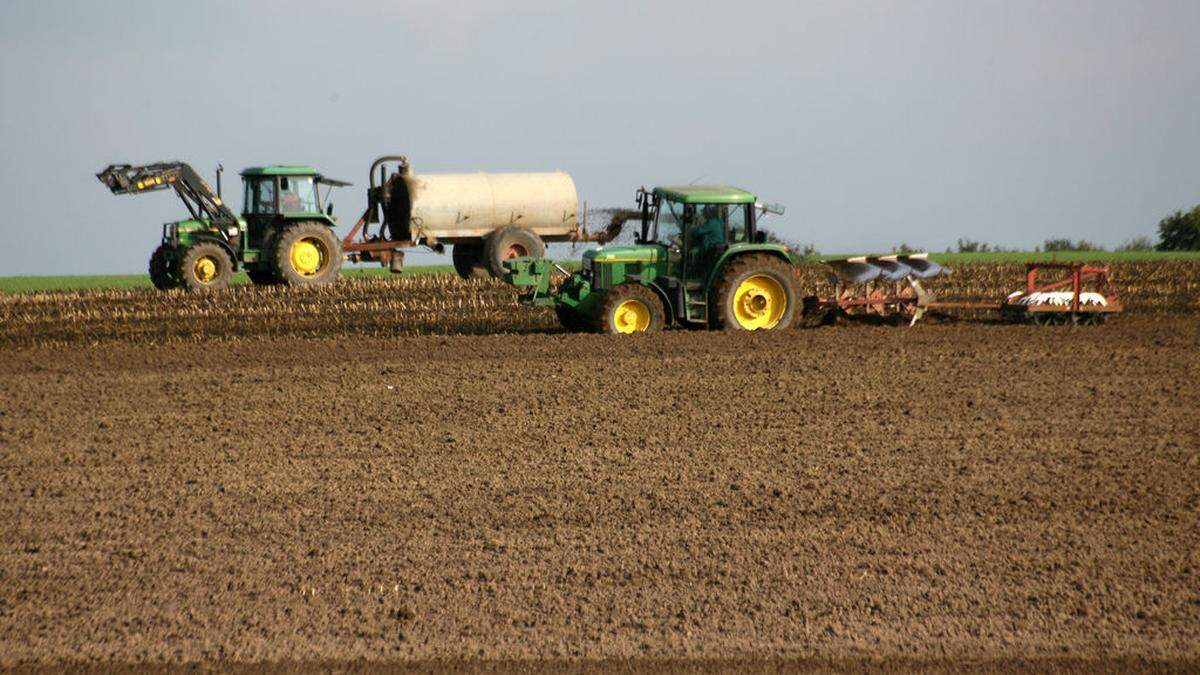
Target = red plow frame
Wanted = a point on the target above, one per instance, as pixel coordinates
(1044, 303)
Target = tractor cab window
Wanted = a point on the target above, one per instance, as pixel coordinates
(706, 233)
(260, 196)
(297, 194)
(668, 227)
(735, 219)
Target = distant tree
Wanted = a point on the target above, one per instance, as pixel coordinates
(1180, 231)
(1068, 245)
(1138, 243)
(972, 246)
(904, 248)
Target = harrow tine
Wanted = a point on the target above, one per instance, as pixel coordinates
(854, 270)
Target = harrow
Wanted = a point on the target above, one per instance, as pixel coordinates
(892, 288)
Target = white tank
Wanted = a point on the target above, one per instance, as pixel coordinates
(449, 206)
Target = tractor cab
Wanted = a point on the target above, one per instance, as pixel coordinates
(287, 191)
(694, 224)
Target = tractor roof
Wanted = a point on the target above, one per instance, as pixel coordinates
(705, 194)
(281, 170)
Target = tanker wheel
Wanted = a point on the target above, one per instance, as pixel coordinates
(468, 261)
(572, 320)
(307, 254)
(630, 308)
(162, 272)
(204, 267)
(507, 243)
(756, 292)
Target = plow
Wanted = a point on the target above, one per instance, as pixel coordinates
(898, 288)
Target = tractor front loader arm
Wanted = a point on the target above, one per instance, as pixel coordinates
(195, 192)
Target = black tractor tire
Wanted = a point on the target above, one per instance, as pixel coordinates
(266, 274)
(307, 254)
(572, 320)
(162, 272)
(760, 308)
(509, 242)
(204, 267)
(630, 308)
(262, 277)
(468, 261)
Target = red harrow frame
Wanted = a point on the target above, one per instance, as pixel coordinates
(890, 287)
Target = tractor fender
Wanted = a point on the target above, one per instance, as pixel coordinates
(738, 251)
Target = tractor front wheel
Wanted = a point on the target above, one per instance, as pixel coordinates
(630, 308)
(756, 292)
(162, 272)
(204, 267)
(307, 254)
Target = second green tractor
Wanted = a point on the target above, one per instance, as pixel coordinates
(283, 235)
(699, 261)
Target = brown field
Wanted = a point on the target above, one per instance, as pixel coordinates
(956, 494)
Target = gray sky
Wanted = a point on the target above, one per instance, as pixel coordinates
(874, 122)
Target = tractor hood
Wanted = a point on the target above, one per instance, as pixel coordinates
(192, 225)
(615, 254)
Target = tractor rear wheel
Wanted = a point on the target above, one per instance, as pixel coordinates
(507, 243)
(468, 261)
(307, 254)
(162, 272)
(204, 267)
(756, 292)
(630, 308)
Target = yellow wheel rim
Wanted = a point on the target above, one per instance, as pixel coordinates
(308, 256)
(759, 302)
(205, 269)
(631, 316)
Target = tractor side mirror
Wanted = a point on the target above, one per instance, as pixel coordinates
(329, 209)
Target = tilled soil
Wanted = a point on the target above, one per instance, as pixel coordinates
(949, 494)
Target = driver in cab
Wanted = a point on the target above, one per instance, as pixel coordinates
(289, 201)
(709, 234)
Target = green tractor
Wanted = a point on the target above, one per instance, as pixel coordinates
(282, 237)
(699, 261)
